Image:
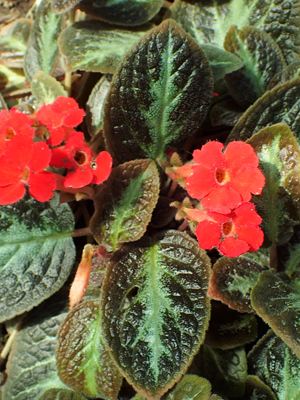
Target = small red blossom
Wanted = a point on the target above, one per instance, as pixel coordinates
(232, 234)
(60, 117)
(83, 166)
(224, 180)
(23, 164)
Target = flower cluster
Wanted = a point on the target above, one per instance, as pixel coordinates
(43, 152)
(223, 183)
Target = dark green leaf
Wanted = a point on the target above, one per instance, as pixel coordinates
(83, 363)
(292, 71)
(62, 6)
(159, 96)
(232, 280)
(155, 310)
(191, 387)
(123, 12)
(292, 265)
(124, 204)
(277, 366)
(226, 370)
(257, 390)
(42, 50)
(45, 88)
(281, 104)
(262, 59)
(31, 365)
(36, 253)
(225, 112)
(10, 79)
(96, 47)
(279, 156)
(229, 329)
(277, 303)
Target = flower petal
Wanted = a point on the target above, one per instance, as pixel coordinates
(42, 185)
(210, 155)
(40, 158)
(222, 200)
(232, 247)
(247, 181)
(11, 194)
(201, 183)
(78, 178)
(208, 234)
(246, 214)
(239, 153)
(103, 167)
(253, 235)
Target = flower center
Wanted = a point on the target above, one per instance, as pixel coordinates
(10, 133)
(25, 175)
(227, 228)
(80, 157)
(222, 176)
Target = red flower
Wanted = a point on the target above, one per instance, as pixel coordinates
(59, 117)
(23, 164)
(232, 234)
(223, 180)
(83, 166)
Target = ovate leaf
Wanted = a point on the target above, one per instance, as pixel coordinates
(83, 363)
(281, 104)
(232, 280)
(31, 365)
(96, 47)
(124, 204)
(257, 390)
(159, 96)
(277, 366)
(45, 88)
(191, 387)
(122, 12)
(62, 6)
(262, 59)
(36, 253)
(155, 310)
(279, 156)
(42, 50)
(278, 304)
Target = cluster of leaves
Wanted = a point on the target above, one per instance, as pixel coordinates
(151, 314)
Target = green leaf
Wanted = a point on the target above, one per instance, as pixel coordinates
(122, 12)
(229, 329)
(10, 79)
(36, 253)
(191, 387)
(262, 59)
(279, 155)
(13, 42)
(45, 88)
(95, 106)
(62, 6)
(232, 280)
(277, 366)
(292, 264)
(278, 304)
(155, 310)
(124, 204)
(226, 370)
(280, 104)
(83, 363)
(95, 47)
(42, 50)
(31, 364)
(257, 390)
(158, 97)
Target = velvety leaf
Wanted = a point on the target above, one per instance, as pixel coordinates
(191, 387)
(257, 390)
(277, 366)
(292, 265)
(262, 59)
(83, 363)
(281, 104)
(159, 96)
(225, 112)
(155, 310)
(221, 62)
(215, 397)
(96, 47)
(292, 71)
(36, 253)
(229, 329)
(277, 303)
(95, 106)
(62, 6)
(122, 12)
(42, 50)
(124, 204)
(11, 10)
(10, 79)
(45, 88)
(31, 365)
(226, 370)
(279, 156)
(232, 280)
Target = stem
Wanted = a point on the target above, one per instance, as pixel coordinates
(273, 257)
(81, 232)
(182, 227)
(6, 349)
(172, 189)
(68, 79)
